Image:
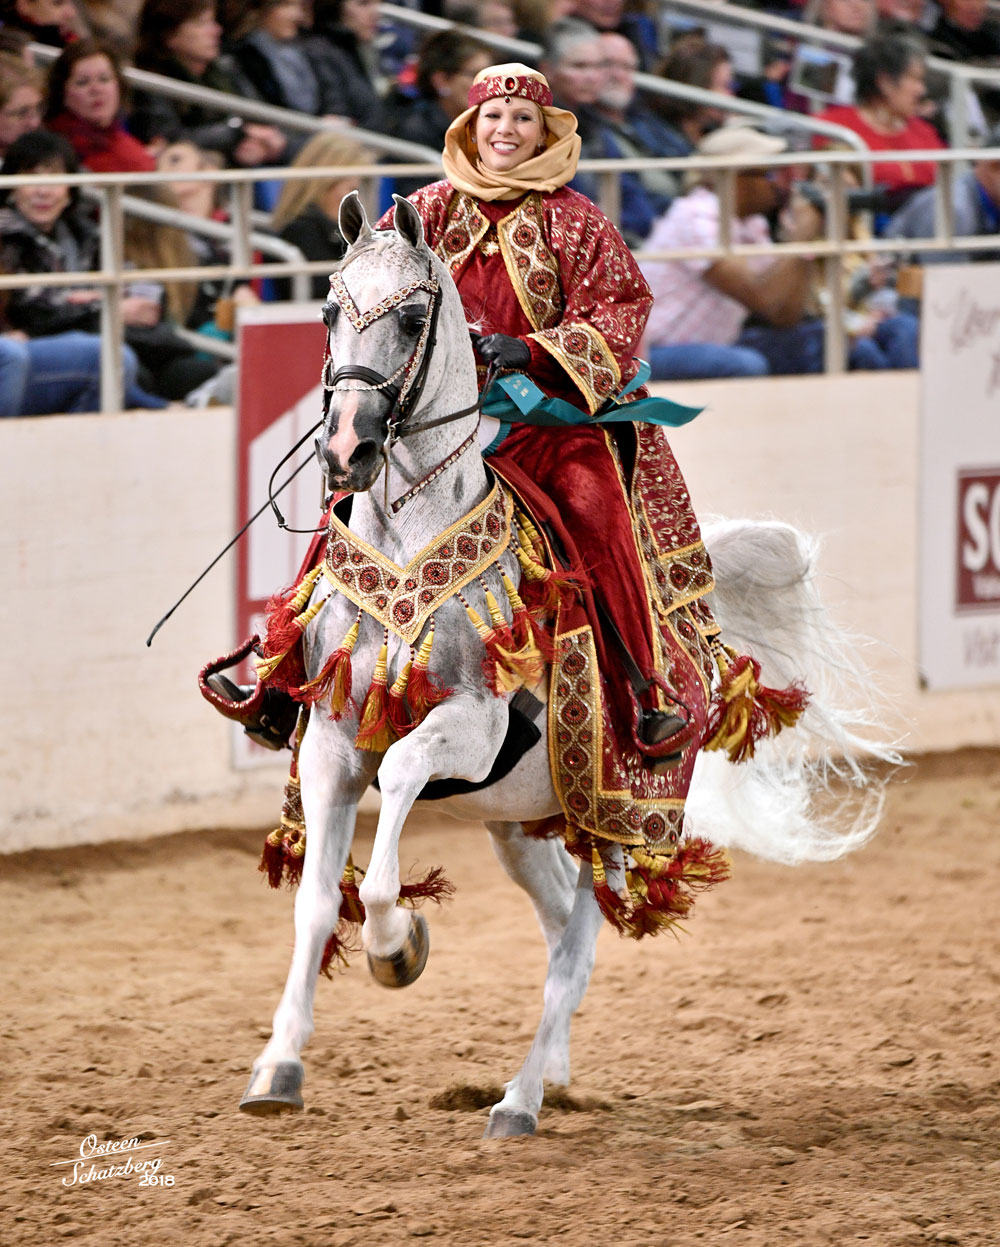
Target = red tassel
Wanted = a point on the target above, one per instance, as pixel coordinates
(336, 678)
(424, 691)
(272, 858)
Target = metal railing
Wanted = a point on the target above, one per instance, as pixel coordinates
(778, 118)
(961, 78)
(831, 251)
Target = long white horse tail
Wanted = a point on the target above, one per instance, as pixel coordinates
(816, 791)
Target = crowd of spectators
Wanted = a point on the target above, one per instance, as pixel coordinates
(341, 60)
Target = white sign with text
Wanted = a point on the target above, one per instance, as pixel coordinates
(960, 477)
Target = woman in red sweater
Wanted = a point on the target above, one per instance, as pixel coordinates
(889, 84)
(86, 91)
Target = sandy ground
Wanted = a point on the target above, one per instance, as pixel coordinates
(815, 1062)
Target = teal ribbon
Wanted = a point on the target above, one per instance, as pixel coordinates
(515, 399)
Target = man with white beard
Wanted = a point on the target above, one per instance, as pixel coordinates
(633, 128)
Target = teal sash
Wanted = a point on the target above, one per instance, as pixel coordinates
(515, 399)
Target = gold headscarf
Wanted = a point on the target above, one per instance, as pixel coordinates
(551, 168)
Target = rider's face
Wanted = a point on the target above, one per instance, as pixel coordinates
(508, 133)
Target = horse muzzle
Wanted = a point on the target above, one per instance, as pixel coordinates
(361, 470)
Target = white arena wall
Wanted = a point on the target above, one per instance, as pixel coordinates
(104, 520)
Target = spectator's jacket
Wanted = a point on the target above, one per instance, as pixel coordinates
(900, 178)
(255, 61)
(423, 121)
(972, 216)
(955, 43)
(71, 247)
(103, 149)
(318, 237)
(348, 84)
(155, 116)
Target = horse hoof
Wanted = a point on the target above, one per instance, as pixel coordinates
(508, 1123)
(274, 1089)
(406, 966)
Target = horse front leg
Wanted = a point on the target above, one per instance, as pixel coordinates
(330, 793)
(570, 967)
(459, 738)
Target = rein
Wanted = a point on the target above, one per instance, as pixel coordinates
(405, 398)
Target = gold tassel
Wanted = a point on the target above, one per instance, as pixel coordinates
(375, 731)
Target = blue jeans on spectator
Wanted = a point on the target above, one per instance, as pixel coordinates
(61, 373)
(690, 361)
(763, 350)
(894, 344)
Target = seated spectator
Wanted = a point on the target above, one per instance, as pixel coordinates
(695, 64)
(343, 47)
(86, 95)
(274, 60)
(701, 305)
(215, 298)
(966, 32)
(635, 129)
(306, 214)
(574, 62)
(496, 16)
(447, 64)
(975, 209)
(52, 22)
(634, 20)
(900, 16)
(536, 16)
(848, 17)
(889, 73)
(20, 101)
(51, 343)
(180, 39)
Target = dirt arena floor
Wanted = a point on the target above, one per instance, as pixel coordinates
(814, 1062)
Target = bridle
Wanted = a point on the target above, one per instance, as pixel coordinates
(405, 386)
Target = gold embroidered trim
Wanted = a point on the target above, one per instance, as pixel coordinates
(403, 598)
(531, 266)
(576, 754)
(587, 358)
(464, 226)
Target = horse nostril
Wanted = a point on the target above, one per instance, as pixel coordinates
(362, 452)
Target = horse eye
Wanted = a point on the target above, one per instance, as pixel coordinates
(412, 321)
(330, 311)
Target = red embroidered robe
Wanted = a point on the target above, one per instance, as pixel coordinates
(552, 270)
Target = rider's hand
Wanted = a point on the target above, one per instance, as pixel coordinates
(505, 352)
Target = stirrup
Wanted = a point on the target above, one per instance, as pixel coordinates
(267, 715)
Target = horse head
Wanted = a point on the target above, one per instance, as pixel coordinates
(382, 316)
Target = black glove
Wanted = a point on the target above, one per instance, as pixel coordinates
(505, 352)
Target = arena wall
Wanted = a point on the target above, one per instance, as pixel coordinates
(104, 520)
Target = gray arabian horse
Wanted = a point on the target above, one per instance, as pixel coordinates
(765, 600)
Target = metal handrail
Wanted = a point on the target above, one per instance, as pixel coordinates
(832, 250)
(649, 83)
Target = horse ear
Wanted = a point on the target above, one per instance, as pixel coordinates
(352, 219)
(407, 221)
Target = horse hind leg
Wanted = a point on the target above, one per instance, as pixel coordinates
(548, 874)
(570, 967)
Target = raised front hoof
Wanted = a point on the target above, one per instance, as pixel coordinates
(508, 1123)
(274, 1089)
(406, 966)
